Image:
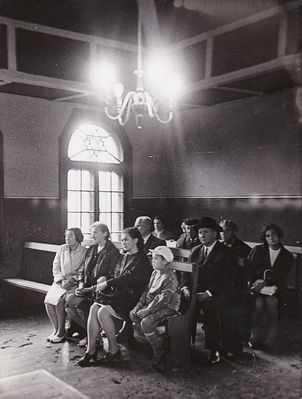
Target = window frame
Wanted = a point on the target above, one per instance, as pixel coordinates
(78, 118)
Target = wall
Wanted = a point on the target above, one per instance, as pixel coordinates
(239, 160)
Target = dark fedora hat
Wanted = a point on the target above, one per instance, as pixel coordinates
(209, 223)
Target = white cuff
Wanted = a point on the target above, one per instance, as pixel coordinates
(209, 293)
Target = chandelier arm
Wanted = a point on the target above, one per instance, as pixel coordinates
(125, 120)
(122, 110)
(170, 116)
(150, 104)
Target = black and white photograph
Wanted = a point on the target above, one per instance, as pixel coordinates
(150, 199)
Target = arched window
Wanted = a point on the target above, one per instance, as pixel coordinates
(94, 179)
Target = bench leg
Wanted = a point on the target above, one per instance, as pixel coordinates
(178, 342)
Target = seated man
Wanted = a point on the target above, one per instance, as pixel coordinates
(160, 300)
(213, 283)
(236, 320)
(145, 226)
(189, 239)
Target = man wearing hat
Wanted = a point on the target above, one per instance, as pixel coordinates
(214, 283)
(236, 324)
(189, 239)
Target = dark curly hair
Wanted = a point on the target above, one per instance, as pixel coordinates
(77, 233)
(133, 232)
(271, 226)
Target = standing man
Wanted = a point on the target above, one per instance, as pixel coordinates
(236, 315)
(189, 239)
(213, 283)
(145, 226)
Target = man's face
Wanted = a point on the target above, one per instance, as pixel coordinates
(143, 227)
(207, 236)
(227, 235)
(190, 231)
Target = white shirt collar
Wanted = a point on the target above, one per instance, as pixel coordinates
(147, 238)
(209, 249)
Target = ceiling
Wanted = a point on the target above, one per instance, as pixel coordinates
(226, 50)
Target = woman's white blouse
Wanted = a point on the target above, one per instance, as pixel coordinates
(68, 263)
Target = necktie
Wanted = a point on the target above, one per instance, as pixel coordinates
(205, 252)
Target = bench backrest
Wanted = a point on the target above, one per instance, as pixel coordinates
(38, 258)
(37, 262)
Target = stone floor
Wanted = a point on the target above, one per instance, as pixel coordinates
(255, 374)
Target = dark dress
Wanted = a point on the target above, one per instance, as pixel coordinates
(97, 264)
(131, 277)
(260, 261)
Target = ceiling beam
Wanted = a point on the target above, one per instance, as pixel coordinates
(270, 66)
(236, 90)
(235, 25)
(13, 23)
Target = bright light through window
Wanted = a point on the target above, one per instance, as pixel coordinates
(95, 194)
(93, 144)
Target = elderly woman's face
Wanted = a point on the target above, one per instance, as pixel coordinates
(70, 238)
(272, 238)
(128, 242)
(97, 235)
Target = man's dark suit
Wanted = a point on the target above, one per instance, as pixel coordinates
(214, 276)
(152, 243)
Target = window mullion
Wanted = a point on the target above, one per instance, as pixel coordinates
(96, 196)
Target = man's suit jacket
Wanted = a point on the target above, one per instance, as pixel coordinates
(260, 261)
(152, 243)
(214, 271)
(186, 242)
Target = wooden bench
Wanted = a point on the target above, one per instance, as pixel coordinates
(178, 328)
(35, 273)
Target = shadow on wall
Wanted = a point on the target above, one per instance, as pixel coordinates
(27, 220)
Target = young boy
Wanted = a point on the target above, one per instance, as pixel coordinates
(160, 300)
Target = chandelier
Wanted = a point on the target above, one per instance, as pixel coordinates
(139, 102)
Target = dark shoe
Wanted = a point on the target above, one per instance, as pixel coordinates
(160, 365)
(126, 335)
(110, 357)
(214, 357)
(84, 361)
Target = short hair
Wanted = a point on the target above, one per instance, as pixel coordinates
(78, 235)
(271, 226)
(145, 219)
(134, 232)
(102, 227)
(159, 218)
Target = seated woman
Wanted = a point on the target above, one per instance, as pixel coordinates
(101, 259)
(160, 300)
(160, 230)
(68, 261)
(270, 265)
(130, 279)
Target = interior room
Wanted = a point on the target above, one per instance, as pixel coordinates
(110, 110)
